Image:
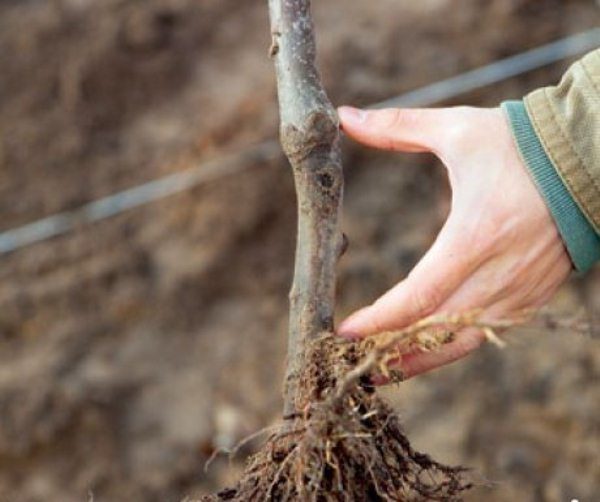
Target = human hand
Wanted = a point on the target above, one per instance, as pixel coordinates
(499, 251)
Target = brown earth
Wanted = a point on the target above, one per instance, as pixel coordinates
(131, 349)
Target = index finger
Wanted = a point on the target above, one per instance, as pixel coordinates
(434, 279)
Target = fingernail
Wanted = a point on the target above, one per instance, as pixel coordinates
(352, 115)
(348, 335)
(348, 329)
(378, 380)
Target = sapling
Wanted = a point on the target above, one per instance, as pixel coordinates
(337, 440)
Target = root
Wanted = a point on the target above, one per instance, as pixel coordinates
(344, 456)
(232, 453)
(344, 447)
(429, 334)
(344, 443)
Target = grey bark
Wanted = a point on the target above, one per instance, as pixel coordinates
(309, 133)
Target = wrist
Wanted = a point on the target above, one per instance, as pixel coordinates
(579, 237)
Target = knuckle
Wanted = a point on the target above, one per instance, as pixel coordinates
(426, 300)
(463, 126)
(458, 135)
(394, 118)
(511, 284)
(375, 325)
(467, 342)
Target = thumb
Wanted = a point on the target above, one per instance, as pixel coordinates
(406, 130)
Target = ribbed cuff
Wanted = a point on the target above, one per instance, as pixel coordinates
(580, 238)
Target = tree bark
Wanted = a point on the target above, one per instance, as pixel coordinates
(309, 134)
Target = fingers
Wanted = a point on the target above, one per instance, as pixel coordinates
(406, 130)
(495, 308)
(466, 341)
(435, 278)
(415, 363)
(469, 339)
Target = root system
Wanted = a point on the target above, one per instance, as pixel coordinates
(345, 444)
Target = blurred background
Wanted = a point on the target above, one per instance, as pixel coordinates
(133, 347)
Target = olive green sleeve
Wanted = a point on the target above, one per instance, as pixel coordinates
(566, 119)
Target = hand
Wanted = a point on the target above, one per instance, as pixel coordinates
(499, 250)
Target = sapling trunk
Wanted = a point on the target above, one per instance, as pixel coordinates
(310, 139)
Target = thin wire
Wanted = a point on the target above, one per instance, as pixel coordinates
(498, 71)
(140, 195)
(106, 207)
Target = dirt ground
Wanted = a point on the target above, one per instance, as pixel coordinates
(132, 348)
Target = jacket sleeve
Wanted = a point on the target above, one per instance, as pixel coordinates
(557, 131)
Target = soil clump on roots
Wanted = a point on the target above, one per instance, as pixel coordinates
(344, 444)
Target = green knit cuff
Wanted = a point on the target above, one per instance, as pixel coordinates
(580, 238)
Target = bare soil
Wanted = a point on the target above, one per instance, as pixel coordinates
(131, 349)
